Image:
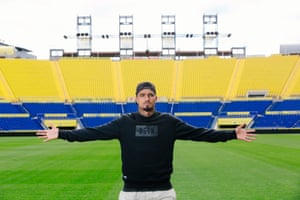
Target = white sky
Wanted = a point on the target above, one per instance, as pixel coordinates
(259, 25)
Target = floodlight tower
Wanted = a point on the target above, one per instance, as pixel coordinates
(210, 34)
(168, 35)
(126, 35)
(84, 35)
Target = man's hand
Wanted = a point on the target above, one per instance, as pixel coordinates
(47, 135)
(244, 134)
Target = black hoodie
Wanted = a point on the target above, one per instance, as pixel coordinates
(147, 145)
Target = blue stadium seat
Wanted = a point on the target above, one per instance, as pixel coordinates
(251, 106)
(277, 121)
(198, 121)
(286, 105)
(130, 107)
(160, 106)
(9, 108)
(40, 108)
(96, 107)
(19, 124)
(202, 106)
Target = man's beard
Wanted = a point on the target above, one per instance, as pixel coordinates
(148, 109)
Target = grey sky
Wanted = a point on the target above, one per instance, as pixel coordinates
(259, 25)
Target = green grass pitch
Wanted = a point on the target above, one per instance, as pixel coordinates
(268, 168)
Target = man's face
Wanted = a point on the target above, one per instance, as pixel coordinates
(146, 100)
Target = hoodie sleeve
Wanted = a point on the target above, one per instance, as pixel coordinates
(107, 131)
(185, 131)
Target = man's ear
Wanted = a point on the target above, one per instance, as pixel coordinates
(135, 101)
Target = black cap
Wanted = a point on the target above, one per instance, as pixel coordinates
(145, 85)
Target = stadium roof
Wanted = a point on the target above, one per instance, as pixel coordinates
(18, 48)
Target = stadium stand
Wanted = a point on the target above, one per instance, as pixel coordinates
(13, 117)
(277, 121)
(281, 114)
(241, 111)
(266, 74)
(83, 108)
(199, 121)
(29, 80)
(7, 108)
(211, 107)
(89, 79)
(286, 105)
(19, 124)
(10, 51)
(198, 113)
(48, 108)
(59, 113)
(160, 72)
(165, 107)
(96, 113)
(130, 107)
(292, 87)
(248, 106)
(204, 78)
(262, 92)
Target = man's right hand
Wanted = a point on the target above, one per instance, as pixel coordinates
(49, 134)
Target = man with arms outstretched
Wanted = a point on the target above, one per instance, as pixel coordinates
(147, 140)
